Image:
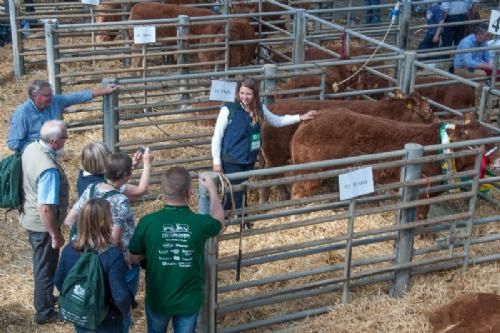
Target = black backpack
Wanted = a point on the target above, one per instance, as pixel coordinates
(11, 182)
(82, 299)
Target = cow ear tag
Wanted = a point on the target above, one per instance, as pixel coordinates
(409, 106)
(466, 121)
(335, 87)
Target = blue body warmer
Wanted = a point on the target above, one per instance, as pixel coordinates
(237, 145)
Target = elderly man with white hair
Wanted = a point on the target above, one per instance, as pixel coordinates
(45, 190)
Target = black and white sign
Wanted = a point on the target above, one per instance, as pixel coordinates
(494, 26)
(222, 91)
(356, 183)
(144, 34)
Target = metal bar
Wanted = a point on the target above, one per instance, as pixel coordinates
(348, 252)
(110, 120)
(207, 320)
(299, 33)
(404, 242)
(472, 211)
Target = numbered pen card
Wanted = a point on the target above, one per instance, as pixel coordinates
(356, 183)
(222, 91)
(144, 34)
(494, 26)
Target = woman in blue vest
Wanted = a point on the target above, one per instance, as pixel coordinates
(237, 135)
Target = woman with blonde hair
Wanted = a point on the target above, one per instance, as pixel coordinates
(94, 164)
(94, 234)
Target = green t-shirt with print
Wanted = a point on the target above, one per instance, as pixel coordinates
(173, 242)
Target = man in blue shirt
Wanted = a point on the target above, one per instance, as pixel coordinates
(41, 106)
(472, 64)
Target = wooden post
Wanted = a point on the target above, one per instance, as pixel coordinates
(53, 68)
(16, 40)
(404, 242)
(207, 321)
(299, 32)
(110, 117)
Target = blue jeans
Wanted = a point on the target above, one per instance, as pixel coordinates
(132, 279)
(158, 323)
(372, 15)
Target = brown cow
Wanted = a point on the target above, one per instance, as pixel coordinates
(456, 95)
(338, 133)
(243, 8)
(276, 140)
(469, 313)
(333, 74)
(104, 13)
(239, 55)
(150, 11)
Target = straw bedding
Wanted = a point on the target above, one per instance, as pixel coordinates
(370, 310)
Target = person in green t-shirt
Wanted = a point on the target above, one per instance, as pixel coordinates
(172, 240)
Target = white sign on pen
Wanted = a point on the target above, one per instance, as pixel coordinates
(144, 34)
(356, 183)
(222, 91)
(494, 26)
(91, 2)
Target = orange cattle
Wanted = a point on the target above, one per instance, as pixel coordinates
(338, 133)
(150, 11)
(276, 140)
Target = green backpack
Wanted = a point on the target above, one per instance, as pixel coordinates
(11, 182)
(82, 299)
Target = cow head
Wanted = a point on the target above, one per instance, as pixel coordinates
(419, 105)
(244, 8)
(472, 130)
(414, 103)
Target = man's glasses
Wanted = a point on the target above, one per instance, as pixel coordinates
(48, 94)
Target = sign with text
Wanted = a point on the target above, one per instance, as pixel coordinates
(494, 26)
(356, 183)
(222, 91)
(145, 34)
(91, 2)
